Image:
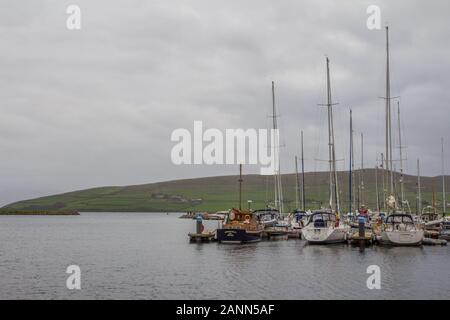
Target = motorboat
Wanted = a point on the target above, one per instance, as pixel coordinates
(240, 226)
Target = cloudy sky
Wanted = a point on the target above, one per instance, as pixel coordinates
(97, 106)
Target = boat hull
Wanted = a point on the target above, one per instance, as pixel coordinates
(401, 238)
(237, 236)
(276, 233)
(269, 223)
(324, 235)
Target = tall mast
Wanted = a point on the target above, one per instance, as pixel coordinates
(277, 180)
(388, 118)
(419, 193)
(350, 176)
(376, 188)
(444, 205)
(353, 168)
(240, 186)
(402, 192)
(384, 181)
(331, 147)
(297, 185)
(362, 168)
(433, 198)
(303, 177)
(274, 122)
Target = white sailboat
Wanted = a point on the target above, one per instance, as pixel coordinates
(399, 228)
(325, 227)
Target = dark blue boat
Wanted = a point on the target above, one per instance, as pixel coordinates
(240, 227)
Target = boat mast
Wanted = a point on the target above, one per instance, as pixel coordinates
(419, 194)
(388, 118)
(433, 198)
(444, 205)
(303, 177)
(331, 146)
(362, 169)
(240, 186)
(350, 176)
(384, 181)
(297, 185)
(274, 120)
(376, 188)
(353, 169)
(402, 192)
(277, 176)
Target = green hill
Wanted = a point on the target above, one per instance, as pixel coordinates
(220, 193)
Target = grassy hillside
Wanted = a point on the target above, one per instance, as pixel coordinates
(219, 193)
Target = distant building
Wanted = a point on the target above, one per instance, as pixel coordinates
(178, 199)
(196, 201)
(159, 196)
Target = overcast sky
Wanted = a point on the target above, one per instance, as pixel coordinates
(97, 106)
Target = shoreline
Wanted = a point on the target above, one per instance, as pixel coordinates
(4, 212)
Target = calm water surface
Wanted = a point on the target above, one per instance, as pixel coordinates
(148, 256)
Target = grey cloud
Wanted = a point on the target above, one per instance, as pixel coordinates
(97, 106)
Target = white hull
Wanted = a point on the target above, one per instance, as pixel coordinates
(325, 235)
(401, 238)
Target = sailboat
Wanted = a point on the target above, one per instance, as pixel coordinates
(271, 218)
(281, 229)
(325, 227)
(399, 228)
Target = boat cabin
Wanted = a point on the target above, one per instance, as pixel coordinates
(300, 216)
(429, 216)
(267, 216)
(236, 216)
(400, 221)
(322, 219)
(242, 219)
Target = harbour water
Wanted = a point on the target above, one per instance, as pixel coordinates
(148, 256)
